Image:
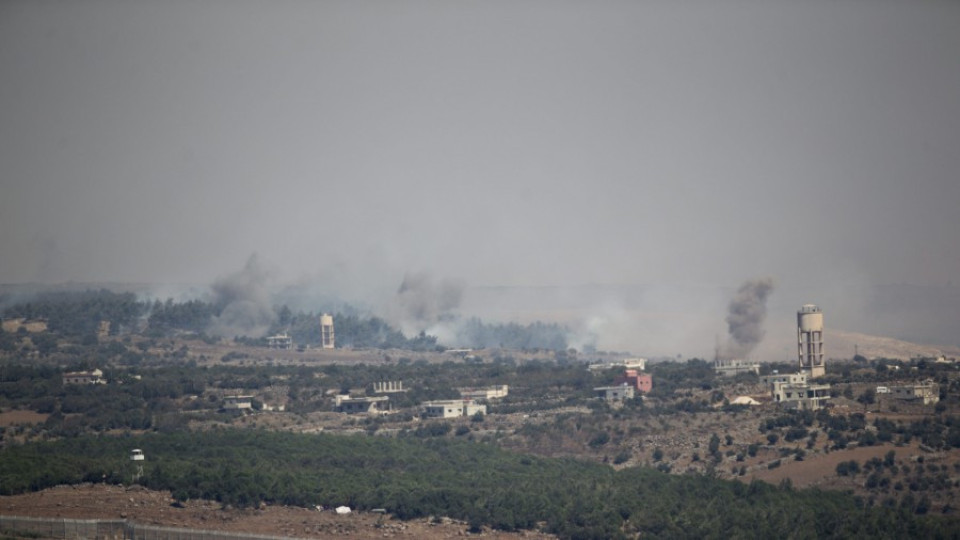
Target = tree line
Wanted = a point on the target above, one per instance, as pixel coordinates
(481, 484)
(80, 314)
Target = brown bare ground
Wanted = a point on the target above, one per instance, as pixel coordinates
(139, 505)
(13, 418)
(820, 469)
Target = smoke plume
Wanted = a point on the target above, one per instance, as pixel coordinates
(244, 301)
(422, 302)
(745, 316)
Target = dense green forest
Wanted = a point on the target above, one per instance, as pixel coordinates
(413, 477)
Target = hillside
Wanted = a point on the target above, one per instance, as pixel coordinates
(843, 344)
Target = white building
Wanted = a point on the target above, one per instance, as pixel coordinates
(615, 393)
(451, 408)
(353, 405)
(635, 363)
(84, 377)
(734, 366)
(801, 396)
(490, 392)
(789, 378)
(238, 403)
(280, 341)
(639, 364)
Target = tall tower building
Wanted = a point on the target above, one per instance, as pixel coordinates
(326, 331)
(810, 340)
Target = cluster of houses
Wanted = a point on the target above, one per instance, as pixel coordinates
(471, 402)
(790, 390)
(627, 386)
(632, 383)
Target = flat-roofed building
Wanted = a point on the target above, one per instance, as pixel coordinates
(789, 378)
(725, 367)
(490, 392)
(615, 393)
(280, 341)
(84, 377)
(451, 408)
(801, 396)
(238, 403)
(641, 382)
(926, 392)
(359, 405)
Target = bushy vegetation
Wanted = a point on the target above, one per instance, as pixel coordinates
(477, 334)
(414, 477)
(168, 317)
(940, 432)
(80, 313)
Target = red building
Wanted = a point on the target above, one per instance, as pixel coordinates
(641, 381)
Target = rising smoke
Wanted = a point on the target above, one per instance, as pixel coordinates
(244, 301)
(422, 303)
(745, 316)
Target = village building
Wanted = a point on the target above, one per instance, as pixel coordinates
(641, 382)
(485, 394)
(728, 367)
(789, 378)
(451, 408)
(280, 341)
(803, 396)
(926, 392)
(360, 405)
(635, 363)
(628, 363)
(238, 403)
(615, 393)
(84, 377)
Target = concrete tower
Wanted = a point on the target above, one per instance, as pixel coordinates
(326, 331)
(810, 340)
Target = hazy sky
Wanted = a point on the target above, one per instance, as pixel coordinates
(497, 143)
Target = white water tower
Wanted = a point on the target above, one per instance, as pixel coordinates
(326, 331)
(810, 340)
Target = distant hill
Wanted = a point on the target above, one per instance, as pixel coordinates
(842, 344)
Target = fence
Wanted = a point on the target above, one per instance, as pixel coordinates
(100, 529)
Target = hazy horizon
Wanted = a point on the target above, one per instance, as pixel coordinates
(350, 145)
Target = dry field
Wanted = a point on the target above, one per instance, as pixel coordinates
(16, 418)
(99, 501)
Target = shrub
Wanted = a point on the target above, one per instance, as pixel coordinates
(599, 439)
